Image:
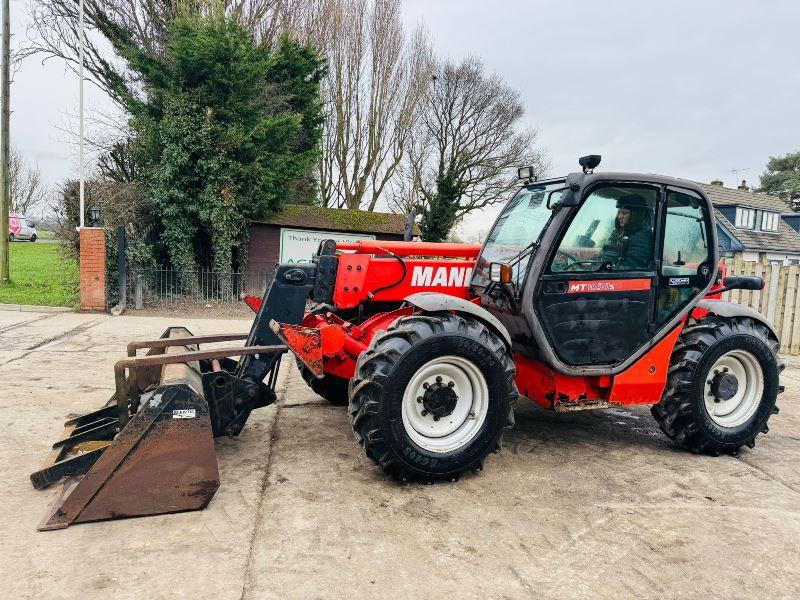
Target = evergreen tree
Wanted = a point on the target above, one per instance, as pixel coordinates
(223, 130)
(782, 179)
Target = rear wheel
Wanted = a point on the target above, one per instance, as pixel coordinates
(330, 387)
(10, 237)
(33, 237)
(432, 395)
(722, 385)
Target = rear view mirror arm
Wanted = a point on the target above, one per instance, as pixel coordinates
(574, 187)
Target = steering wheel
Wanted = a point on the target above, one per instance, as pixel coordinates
(575, 261)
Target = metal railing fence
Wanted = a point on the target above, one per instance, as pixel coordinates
(165, 287)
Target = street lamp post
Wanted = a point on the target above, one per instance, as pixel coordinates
(80, 115)
(5, 180)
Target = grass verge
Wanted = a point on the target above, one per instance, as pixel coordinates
(40, 275)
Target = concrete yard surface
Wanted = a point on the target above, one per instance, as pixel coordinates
(583, 505)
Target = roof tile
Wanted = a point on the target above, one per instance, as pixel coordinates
(338, 219)
(722, 196)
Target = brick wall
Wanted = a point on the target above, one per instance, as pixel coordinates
(93, 269)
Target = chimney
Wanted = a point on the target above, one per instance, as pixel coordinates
(717, 182)
(744, 187)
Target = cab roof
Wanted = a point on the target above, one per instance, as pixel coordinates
(643, 178)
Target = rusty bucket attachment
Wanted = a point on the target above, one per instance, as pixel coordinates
(152, 451)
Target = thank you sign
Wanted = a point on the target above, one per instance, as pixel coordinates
(300, 245)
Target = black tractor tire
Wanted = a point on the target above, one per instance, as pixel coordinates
(682, 413)
(330, 387)
(384, 371)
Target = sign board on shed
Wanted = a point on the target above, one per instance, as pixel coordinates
(299, 245)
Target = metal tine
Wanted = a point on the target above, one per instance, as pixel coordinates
(91, 434)
(75, 465)
(92, 416)
(89, 426)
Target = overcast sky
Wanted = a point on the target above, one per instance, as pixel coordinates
(694, 89)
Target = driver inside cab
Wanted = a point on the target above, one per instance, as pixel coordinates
(628, 247)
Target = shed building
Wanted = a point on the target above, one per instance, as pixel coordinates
(293, 234)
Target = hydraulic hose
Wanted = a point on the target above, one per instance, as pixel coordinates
(373, 293)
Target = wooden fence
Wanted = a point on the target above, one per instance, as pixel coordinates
(779, 301)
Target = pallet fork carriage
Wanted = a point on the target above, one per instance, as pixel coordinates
(591, 291)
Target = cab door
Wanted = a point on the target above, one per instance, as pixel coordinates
(687, 253)
(597, 293)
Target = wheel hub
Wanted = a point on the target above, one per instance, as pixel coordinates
(439, 399)
(733, 388)
(445, 403)
(724, 386)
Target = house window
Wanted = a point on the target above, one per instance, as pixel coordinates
(769, 221)
(745, 218)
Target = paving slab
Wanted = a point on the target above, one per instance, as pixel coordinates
(190, 555)
(584, 505)
(592, 504)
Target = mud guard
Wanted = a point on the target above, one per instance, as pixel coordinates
(434, 301)
(722, 308)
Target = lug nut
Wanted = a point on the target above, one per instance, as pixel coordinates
(435, 418)
(426, 385)
(451, 384)
(438, 379)
(425, 412)
(419, 399)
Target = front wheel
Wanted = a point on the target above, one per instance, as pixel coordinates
(722, 387)
(33, 238)
(432, 395)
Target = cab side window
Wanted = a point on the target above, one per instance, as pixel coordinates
(686, 258)
(612, 232)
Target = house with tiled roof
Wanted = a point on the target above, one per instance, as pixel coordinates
(753, 226)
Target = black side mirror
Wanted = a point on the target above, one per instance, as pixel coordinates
(570, 193)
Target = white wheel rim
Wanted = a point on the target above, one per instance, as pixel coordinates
(744, 403)
(459, 427)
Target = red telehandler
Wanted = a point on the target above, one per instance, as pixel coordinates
(591, 291)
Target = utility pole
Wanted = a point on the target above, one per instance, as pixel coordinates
(5, 183)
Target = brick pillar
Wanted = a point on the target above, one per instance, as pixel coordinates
(93, 269)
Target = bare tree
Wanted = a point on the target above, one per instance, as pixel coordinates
(146, 23)
(375, 80)
(466, 146)
(117, 163)
(376, 74)
(28, 191)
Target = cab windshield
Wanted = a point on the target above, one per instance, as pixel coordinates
(517, 229)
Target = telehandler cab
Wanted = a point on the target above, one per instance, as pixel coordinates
(591, 291)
